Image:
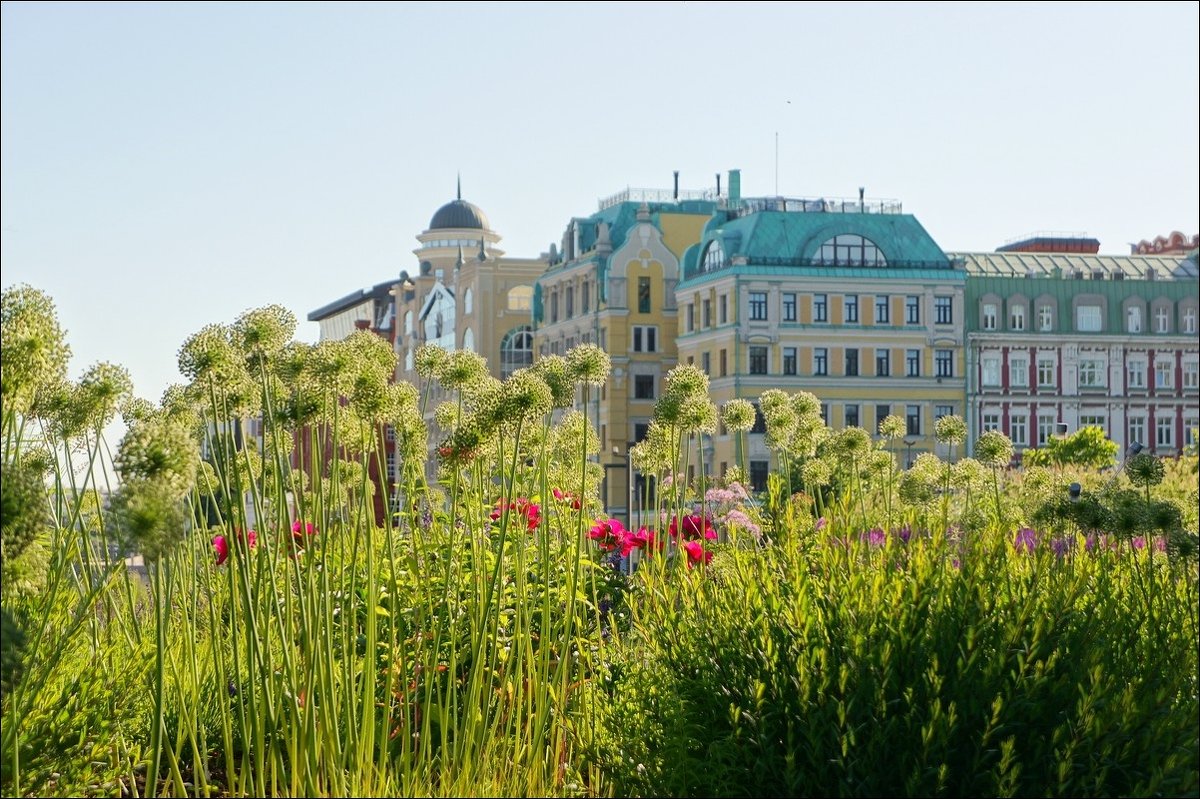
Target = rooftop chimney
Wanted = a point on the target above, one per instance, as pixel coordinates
(676, 184)
(735, 184)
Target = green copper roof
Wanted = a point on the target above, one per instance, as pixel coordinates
(795, 238)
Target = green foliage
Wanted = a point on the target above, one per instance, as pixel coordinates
(1087, 447)
(857, 670)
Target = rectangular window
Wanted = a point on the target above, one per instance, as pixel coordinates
(989, 316)
(722, 363)
(942, 410)
(707, 313)
(825, 413)
(1133, 319)
(1162, 320)
(820, 308)
(881, 412)
(850, 309)
(1164, 432)
(1191, 375)
(851, 363)
(1018, 429)
(789, 360)
(1092, 373)
(1189, 320)
(912, 420)
(758, 306)
(758, 360)
(989, 370)
(882, 316)
(691, 317)
(883, 362)
(912, 310)
(789, 307)
(1046, 376)
(570, 301)
(1087, 318)
(1046, 425)
(820, 365)
(989, 421)
(1190, 429)
(1045, 318)
(643, 295)
(1093, 420)
(706, 362)
(912, 363)
(943, 310)
(943, 361)
(585, 297)
(1137, 430)
(389, 434)
(643, 387)
(722, 314)
(553, 307)
(758, 475)
(391, 465)
(1018, 371)
(851, 416)
(1136, 373)
(1016, 317)
(1164, 376)
(645, 338)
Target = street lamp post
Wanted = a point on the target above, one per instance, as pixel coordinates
(908, 445)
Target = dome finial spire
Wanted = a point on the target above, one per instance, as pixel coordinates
(460, 185)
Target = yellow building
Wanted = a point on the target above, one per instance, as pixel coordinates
(465, 295)
(613, 283)
(850, 300)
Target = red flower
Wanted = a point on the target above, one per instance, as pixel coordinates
(692, 527)
(221, 544)
(607, 534)
(696, 552)
(563, 496)
(530, 510)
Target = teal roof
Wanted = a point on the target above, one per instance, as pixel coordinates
(794, 238)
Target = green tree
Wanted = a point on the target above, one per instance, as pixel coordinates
(1087, 447)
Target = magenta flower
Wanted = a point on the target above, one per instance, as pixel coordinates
(691, 528)
(221, 544)
(821, 522)
(1061, 547)
(696, 553)
(608, 534)
(874, 537)
(904, 533)
(643, 539)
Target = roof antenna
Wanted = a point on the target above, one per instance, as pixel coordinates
(460, 185)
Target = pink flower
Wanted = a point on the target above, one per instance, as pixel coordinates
(820, 525)
(608, 534)
(696, 553)
(874, 537)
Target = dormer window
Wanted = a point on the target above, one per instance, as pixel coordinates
(851, 250)
(714, 257)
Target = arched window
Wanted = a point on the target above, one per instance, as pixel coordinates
(850, 250)
(516, 350)
(520, 298)
(468, 340)
(714, 257)
(468, 301)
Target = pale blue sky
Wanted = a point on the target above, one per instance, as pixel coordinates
(169, 165)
